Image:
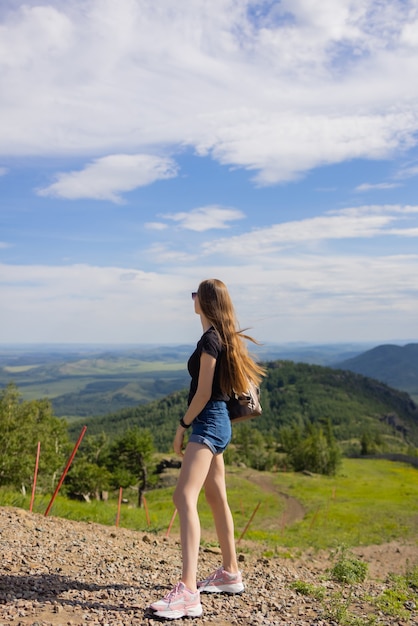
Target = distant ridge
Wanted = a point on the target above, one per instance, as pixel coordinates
(396, 366)
(291, 393)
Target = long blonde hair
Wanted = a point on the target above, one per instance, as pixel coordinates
(238, 366)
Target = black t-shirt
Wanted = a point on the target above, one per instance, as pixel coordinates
(212, 345)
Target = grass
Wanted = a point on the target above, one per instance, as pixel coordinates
(397, 600)
(369, 502)
(308, 589)
(347, 568)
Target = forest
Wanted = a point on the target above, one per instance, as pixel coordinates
(312, 417)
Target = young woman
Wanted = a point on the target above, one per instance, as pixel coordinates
(219, 364)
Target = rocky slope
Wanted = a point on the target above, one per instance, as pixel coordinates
(62, 573)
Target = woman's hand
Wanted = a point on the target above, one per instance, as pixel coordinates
(179, 440)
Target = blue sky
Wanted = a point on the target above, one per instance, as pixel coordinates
(146, 146)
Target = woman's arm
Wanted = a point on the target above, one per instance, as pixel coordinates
(199, 400)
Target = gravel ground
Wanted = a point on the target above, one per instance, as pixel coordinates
(56, 572)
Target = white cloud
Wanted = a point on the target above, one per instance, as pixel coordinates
(409, 34)
(304, 297)
(277, 88)
(3, 171)
(163, 255)
(376, 186)
(4, 245)
(155, 226)
(321, 83)
(358, 222)
(206, 218)
(106, 178)
(83, 302)
(408, 172)
(281, 148)
(47, 28)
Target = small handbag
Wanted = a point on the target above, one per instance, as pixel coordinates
(245, 406)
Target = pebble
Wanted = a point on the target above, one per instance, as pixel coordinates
(56, 572)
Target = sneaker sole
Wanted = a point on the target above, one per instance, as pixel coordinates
(192, 612)
(233, 589)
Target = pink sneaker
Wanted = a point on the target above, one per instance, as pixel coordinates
(179, 602)
(220, 581)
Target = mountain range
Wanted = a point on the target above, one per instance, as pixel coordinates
(354, 405)
(394, 365)
(91, 381)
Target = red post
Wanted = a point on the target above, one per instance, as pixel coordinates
(315, 515)
(171, 522)
(283, 522)
(67, 467)
(35, 475)
(249, 521)
(119, 505)
(146, 510)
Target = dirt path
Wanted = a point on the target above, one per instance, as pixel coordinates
(294, 511)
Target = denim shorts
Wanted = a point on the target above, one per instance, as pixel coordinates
(212, 427)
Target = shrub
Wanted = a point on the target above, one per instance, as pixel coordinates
(347, 568)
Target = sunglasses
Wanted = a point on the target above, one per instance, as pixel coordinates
(194, 295)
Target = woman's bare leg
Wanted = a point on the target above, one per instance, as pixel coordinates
(216, 496)
(194, 470)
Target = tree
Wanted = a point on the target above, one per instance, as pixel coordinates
(370, 442)
(22, 425)
(251, 448)
(88, 475)
(129, 457)
(308, 447)
(86, 479)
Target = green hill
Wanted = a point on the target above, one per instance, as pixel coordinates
(352, 403)
(91, 382)
(396, 366)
